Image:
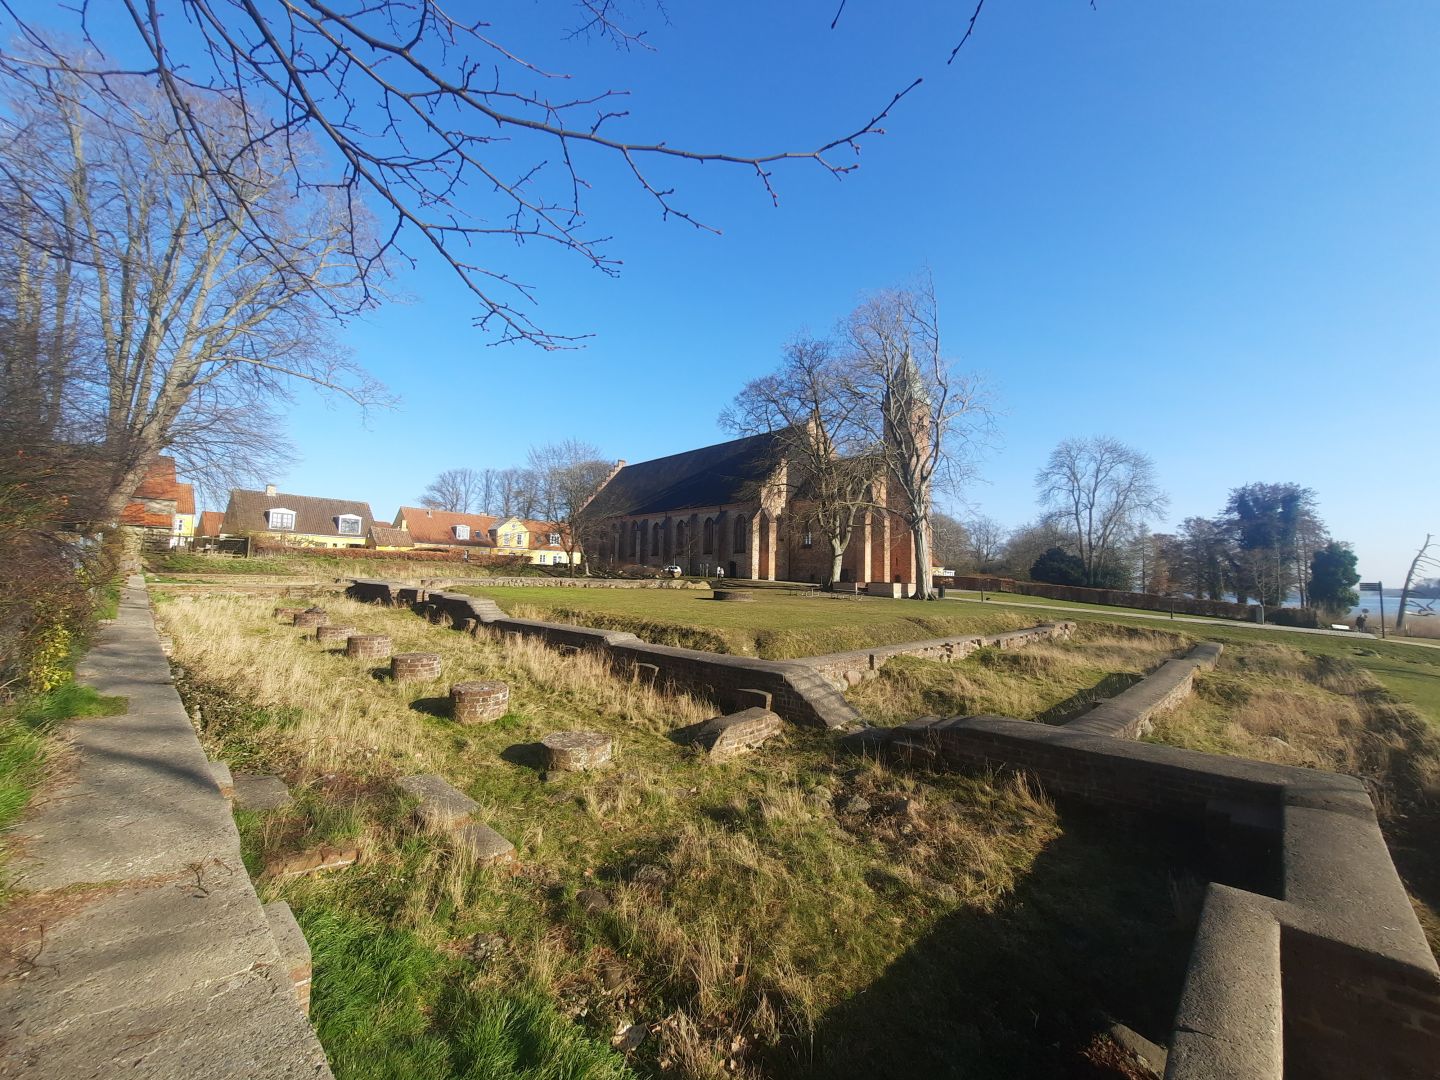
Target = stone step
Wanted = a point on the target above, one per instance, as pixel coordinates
(260, 792)
(441, 806)
(294, 950)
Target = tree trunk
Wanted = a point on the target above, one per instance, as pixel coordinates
(924, 579)
(1409, 579)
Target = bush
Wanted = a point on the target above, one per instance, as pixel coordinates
(1303, 617)
(1057, 567)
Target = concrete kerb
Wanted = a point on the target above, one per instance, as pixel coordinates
(173, 962)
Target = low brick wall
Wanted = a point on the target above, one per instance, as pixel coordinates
(1131, 714)
(795, 691)
(1320, 968)
(849, 668)
(1180, 605)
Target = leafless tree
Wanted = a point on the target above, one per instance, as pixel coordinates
(987, 541)
(192, 331)
(567, 476)
(833, 459)
(461, 141)
(460, 491)
(949, 541)
(1424, 559)
(515, 493)
(1026, 544)
(930, 421)
(1099, 490)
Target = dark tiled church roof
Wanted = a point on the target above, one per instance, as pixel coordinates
(725, 473)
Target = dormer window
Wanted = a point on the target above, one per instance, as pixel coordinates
(462, 532)
(348, 524)
(554, 538)
(280, 519)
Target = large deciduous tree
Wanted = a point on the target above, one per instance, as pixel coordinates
(191, 329)
(1099, 491)
(832, 457)
(927, 420)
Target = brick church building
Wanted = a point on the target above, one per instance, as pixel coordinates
(736, 509)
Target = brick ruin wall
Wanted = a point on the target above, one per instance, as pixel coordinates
(1321, 970)
(1180, 605)
(849, 668)
(1318, 966)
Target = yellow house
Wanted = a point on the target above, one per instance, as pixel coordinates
(303, 520)
(183, 528)
(427, 527)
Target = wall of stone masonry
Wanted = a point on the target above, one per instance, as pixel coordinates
(1180, 605)
(798, 693)
(1318, 968)
(848, 668)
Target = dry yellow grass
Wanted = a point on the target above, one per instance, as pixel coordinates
(745, 902)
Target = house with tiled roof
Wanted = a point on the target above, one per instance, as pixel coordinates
(303, 520)
(161, 512)
(447, 529)
(211, 522)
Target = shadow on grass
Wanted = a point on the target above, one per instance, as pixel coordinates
(530, 755)
(1078, 704)
(437, 707)
(1099, 928)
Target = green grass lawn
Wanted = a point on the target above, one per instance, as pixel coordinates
(775, 626)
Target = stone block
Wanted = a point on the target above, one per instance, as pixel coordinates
(415, 667)
(483, 844)
(726, 736)
(734, 596)
(324, 857)
(223, 780)
(328, 634)
(368, 646)
(441, 806)
(311, 618)
(287, 614)
(479, 702)
(252, 792)
(576, 751)
(294, 950)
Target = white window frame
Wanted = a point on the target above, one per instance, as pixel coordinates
(554, 538)
(462, 532)
(280, 519)
(341, 520)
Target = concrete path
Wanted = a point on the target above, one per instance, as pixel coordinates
(137, 945)
(1198, 620)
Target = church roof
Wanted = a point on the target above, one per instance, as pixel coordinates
(710, 476)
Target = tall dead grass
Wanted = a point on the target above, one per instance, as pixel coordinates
(1275, 703)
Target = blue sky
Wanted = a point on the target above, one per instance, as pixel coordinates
(1210, 230)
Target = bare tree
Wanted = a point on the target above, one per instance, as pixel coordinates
(456, 137)
(929, 421)
(833, 461)
(567, 476)
(460, 491)
(987, 541)
(949, 540)
(515, 493)
(1099, 490)
(1424, 560)
(194, 330)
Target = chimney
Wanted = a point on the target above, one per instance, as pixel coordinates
(270, 490)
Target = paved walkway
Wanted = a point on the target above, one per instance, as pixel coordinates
(1130, 613)
(137, 945)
